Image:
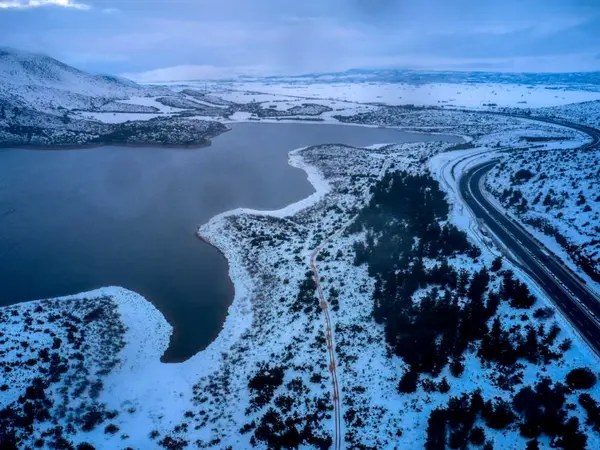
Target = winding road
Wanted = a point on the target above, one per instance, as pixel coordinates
(568, 291)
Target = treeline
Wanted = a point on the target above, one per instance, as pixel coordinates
(405, 207)
(405, 222)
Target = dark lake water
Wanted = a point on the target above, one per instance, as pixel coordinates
(76, 220)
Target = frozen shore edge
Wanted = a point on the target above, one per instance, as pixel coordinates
(148, 332)
(144, 320)
(239, 314)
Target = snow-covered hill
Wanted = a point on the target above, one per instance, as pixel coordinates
(44, 102)
(44, 83)
(18, 68)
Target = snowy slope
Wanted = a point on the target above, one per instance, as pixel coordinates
(44, 102)
(18, 68)
(42, 82)
(586, 113)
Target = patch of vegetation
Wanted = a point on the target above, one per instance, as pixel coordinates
(263, 385)
(581, 378)
(306, 301)
(534, 411)
(402, 223)
(62, 375)
(285, 428)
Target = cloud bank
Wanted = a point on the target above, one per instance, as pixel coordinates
(176, 39)
(28, 4)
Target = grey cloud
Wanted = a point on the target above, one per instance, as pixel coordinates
(311, 35)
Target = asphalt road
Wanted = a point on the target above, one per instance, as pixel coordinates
(568, 292)
(592, 132)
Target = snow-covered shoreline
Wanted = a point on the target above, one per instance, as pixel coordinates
(260, 326)
(137, 379)
(239, 314)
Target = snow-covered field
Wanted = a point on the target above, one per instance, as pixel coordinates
(557, 195)
(266, 377)
(437, 94)
(269, 364)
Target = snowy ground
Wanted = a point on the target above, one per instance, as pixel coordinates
(438, 94)
(254, 101)
(272, 329)
(586, 113)
(273, 334)
(557, 196)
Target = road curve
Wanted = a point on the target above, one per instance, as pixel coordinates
(593, 133)
(568, 292)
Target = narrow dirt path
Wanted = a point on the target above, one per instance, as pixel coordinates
(328, 327)
(330, 345)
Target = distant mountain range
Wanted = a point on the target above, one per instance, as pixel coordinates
(580, 80)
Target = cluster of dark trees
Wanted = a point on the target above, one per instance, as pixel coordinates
(454, 425)
(521, 176)
(537, 411)
(306, 300)
(552, 200)
(405, 207)
(279, 427)
(19, 417)
(263, 385)
(514, 197)
(506, 347)
(279, 432)
(542, 410)
(592, 408)
(402, 222)
(62, 360)
(516, 292)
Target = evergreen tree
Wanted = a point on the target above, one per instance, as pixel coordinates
(436, 430)
(408, 382)
(506, 288)
(498, 414)
(496, 264)
(530, 347)
(457, 367)
(463, 282)
(572, 438)
(492, 304)
(581, 378)
(378, 300)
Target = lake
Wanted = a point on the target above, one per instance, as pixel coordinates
(76, 220)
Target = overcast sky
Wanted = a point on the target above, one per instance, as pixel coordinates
(178, 39)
